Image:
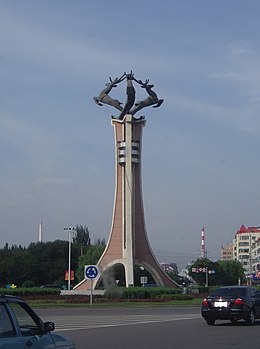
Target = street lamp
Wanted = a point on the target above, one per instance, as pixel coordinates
(71, 231)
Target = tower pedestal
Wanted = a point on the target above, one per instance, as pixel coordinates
(128, 244)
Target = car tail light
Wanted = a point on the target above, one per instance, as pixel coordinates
(239, 301)
(205, 301)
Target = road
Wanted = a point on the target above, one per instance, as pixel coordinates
(143, 328)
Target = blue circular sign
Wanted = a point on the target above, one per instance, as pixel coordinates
(91, 272)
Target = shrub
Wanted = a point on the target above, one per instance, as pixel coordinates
(140, 292)
(37, 291)
(174, 297)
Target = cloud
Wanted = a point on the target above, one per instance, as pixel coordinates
(43, 48)
(243, 118)
(237, 49)
(48, 182)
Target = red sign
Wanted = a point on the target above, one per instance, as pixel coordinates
(67, 275)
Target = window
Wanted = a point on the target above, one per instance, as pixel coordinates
(243, 244)
(6, 326)
(26, 323)
(252, 292)
(243, 250)
(236, 292)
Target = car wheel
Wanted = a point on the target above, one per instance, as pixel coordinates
(251, 318)
(233, 320)
(210, 322)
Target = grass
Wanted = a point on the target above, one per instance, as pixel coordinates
(63, 303)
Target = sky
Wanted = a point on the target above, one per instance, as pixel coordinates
(200, 156)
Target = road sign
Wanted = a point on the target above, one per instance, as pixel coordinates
(72, 274)
(144, 280)
(91, 272)
(202, 270)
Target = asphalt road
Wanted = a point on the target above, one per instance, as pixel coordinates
(143, 328)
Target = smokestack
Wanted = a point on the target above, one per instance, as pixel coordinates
(40, 232)
(202, 243)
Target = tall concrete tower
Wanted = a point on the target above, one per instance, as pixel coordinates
(128, 243)
(40, 232)
(203, 254)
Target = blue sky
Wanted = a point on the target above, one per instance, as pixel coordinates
(200, 148)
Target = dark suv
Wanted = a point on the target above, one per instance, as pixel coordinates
(232, 303)
(20, 327)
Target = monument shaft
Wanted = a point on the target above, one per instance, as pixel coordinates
(128, 243)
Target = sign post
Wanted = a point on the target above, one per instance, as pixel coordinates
(143, 280)
(205, 270)
(91, 273)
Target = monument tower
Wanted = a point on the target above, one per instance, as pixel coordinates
(128, 243)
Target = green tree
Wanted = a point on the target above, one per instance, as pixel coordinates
(91, 256)
(226, 272)
(11, 265)
(81, 238)
(200, 277)
(39, 263)
(48, 261)
(232, 272)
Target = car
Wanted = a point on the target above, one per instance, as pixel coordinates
(232, 303)
(21, 327)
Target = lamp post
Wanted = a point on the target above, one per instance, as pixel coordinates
(71, 231)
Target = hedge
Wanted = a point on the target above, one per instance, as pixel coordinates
(140, 292)
(37, 291)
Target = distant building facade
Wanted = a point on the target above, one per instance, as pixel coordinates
(169, 267)
(227, 252)
(256, 257)
(246, 248)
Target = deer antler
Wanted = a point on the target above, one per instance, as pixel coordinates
(141, 82)
(117, 80)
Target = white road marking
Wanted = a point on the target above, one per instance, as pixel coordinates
(71, 323)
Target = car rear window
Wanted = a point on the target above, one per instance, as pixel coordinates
(236, 292)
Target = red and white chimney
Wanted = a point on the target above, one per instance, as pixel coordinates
(203, 243)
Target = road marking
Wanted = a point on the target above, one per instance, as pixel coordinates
(71, 323)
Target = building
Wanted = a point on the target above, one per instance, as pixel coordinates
(246, 248)
(227, 252)
(169, 267)
(256, 258)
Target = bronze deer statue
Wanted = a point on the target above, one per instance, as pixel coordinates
(150, 100)
(104, 98)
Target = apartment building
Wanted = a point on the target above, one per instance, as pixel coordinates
(246, 248)
(227, 252)
(256, 257)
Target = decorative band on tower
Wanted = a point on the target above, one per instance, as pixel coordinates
(134, 152)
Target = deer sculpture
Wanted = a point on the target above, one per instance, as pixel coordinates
(104, 98)
(150, 100)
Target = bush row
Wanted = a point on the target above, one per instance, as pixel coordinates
(21, 292)
(141, 292)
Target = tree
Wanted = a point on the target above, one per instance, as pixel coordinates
(91, 256)
(11, 266)
(226, 272)
(81, 238)
(200, 277)
(232, 272)
(47, 261)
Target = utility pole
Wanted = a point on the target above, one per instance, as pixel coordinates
(207, 277)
